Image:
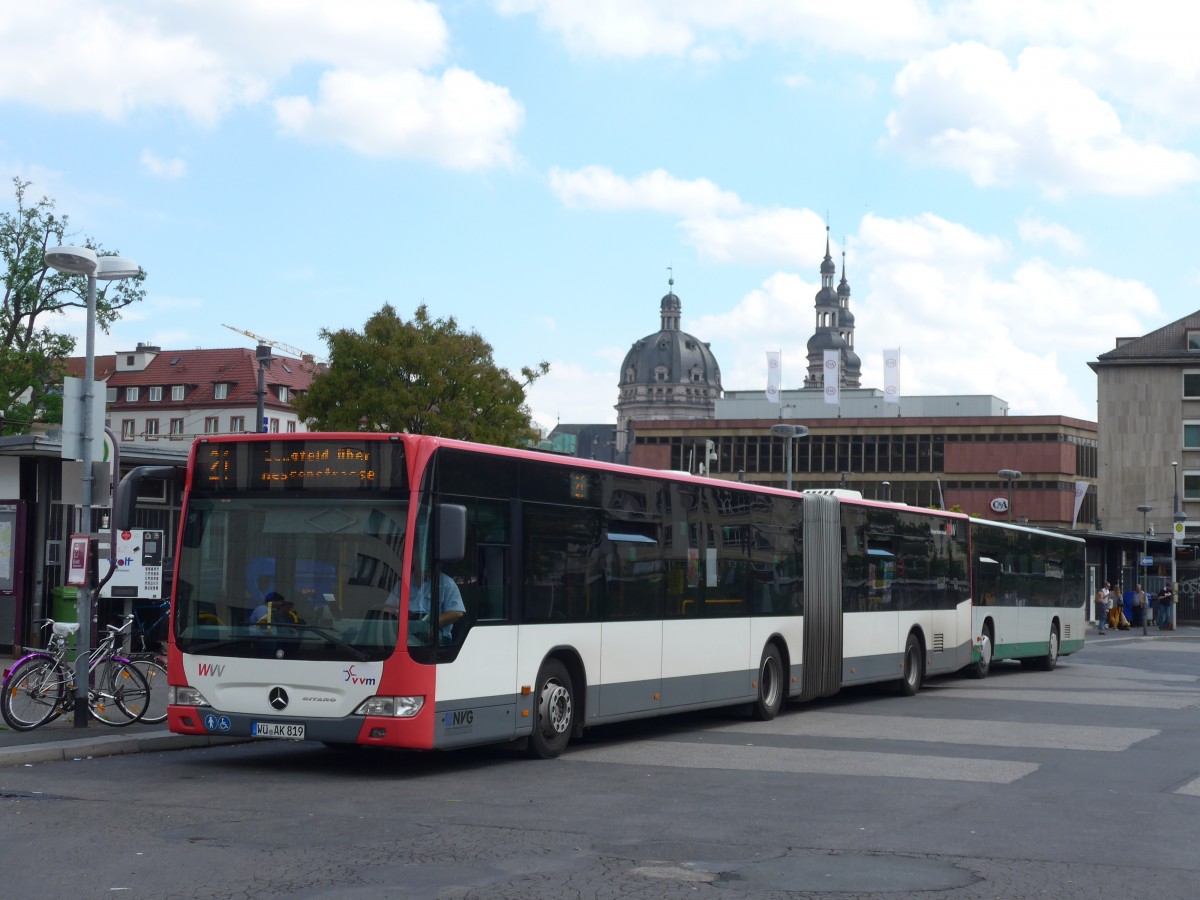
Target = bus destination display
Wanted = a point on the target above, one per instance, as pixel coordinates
(293, 465)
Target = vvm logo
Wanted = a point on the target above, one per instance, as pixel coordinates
(353, 677)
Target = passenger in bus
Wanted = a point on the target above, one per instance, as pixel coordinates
(450, 605)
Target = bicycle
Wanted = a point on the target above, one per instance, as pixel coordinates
(40, 686)
(153, 667)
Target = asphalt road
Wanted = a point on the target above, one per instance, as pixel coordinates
(1083, 782)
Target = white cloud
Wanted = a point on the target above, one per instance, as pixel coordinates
(162, 168)
(597, 187)
(967, 108)
(458, 119)
(371, 60)
(575, 393)
(1033, 229)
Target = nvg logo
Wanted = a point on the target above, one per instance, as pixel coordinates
(460, 718)
(354, 678)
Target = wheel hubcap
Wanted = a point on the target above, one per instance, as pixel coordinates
(555, 707)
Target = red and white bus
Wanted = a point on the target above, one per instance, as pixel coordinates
(567, 593)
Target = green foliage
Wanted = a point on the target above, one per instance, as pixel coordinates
(422, 377)
(32, 352)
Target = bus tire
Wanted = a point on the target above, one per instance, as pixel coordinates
(1050, 660)
(914, 668)
(770, 685)
(553, 711)
(987, 647)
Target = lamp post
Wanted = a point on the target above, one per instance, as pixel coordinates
(789, 433)
(1143, 509)
(263, 354)
(83, 261)
(1178, 517)
(1009, 475)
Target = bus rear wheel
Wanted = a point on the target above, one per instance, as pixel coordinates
(1050, 660)
(914, 670)
(770, 685)
(553, 711)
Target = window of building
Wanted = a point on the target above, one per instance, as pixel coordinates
(1191, 485)
(1193, 341)
(127, 429)
(152, 429)
(177, 426)
(211, 424)
(237, 424)
(131, 394)
(274, 426)
(155, 394)
(177, 391)
(291, 427)
(1191, 435)
(110, 395)
(1191, 385)
(283, 393)
(220, 391)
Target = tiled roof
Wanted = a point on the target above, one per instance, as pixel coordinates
(1168, 342)
(199, 370)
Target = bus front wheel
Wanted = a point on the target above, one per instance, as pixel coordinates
(553, 712)
(914, 670)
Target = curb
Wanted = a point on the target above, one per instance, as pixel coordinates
(107, 745)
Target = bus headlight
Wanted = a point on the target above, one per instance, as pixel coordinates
(393, 707)
(185, 696)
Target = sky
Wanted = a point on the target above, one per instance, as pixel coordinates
(1013, 184)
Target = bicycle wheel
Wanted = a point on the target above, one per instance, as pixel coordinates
(117, 692)
(34, 693)
(155, 673)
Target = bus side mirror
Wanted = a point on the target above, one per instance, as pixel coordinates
(125, 502)
(451, 532)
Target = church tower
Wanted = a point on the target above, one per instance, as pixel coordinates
(834, 328)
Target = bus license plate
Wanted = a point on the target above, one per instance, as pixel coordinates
(285, 730)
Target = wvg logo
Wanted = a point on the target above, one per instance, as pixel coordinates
(354, 678)
(460, 718)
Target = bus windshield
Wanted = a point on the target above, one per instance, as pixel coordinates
(290, 577)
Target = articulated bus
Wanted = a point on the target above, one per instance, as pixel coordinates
(566, 593)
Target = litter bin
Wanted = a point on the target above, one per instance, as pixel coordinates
(63, 608)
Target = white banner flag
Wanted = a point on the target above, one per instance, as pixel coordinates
(891, 375)
(833, 376)
(1080, 492)
(773, 375)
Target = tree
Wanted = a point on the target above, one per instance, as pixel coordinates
(32, 352)
(423, 377)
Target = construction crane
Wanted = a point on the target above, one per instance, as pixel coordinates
(279, 345)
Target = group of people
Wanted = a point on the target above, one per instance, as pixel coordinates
(1110, 608)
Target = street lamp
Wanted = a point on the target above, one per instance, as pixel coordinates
(83, 261)
(1177, 519)
(789, 433)
(262, 353)
(1009, 475)
(1143, 509)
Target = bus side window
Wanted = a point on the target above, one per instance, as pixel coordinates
(493, 579)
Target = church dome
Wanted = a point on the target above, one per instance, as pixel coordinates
(670, 356)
